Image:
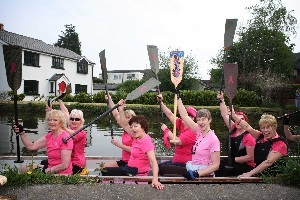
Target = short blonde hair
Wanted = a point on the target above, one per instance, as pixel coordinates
(269, 120)
(204, 113)
(77, 113)
(59, 114)
(131, 113)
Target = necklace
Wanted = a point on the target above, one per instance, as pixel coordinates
(203, 135)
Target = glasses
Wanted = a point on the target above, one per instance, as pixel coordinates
(76, 119)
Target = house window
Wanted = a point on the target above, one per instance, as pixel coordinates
(82, 67)
(116, 77)
(57, 63)
(31, 59)
(51, 87)
(31, 87)
(80, 88)
(130, 76)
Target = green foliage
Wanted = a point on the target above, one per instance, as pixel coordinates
(68, 98)
(189, 76)
(20, 97)
(97, 80)
(130, 85)
(83, 97)
(246, 98)
(4, 96)
(69, 39)
(99, 97)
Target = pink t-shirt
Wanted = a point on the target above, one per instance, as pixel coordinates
(182, 152)
(204, 146)
(248, 140)
(138, 157)
(54, 147)
(126, 140)
(78, 157)
(278, 146)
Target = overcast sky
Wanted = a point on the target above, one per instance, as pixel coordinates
(124, 28)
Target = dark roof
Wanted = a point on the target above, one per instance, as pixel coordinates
(55, 77)
(102, 86)
(38, 45)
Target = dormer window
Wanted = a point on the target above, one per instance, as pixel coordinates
(82, 66)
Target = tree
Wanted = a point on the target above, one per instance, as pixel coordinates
(189, 77)
(69, 39)
(129, 85)
(263, 47)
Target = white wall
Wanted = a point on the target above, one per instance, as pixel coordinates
(3, 79)
(122, 77)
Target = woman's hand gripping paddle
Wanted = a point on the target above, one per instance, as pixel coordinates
(154, 63)
(176, 71)
(62, 90)
(142, 89)
(104, 78)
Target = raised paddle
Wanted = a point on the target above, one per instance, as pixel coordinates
(104, 77)
(142, 89)
(286, 115)
(230, 72)
(13, 64)
(176, 71)
(62, 89)
(154, 63)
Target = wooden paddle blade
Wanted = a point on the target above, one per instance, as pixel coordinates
(153, 58)
(176, 66)
(230, 77)
(13, 64)
(230, 27)
(147, 86)
(103, 65)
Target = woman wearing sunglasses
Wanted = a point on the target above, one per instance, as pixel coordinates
(242, 145)
(75, 122)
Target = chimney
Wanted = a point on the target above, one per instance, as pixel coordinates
(1, 26)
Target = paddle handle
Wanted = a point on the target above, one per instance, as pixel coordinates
(174, 122)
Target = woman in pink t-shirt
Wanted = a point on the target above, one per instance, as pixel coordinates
(75, 122)
(206, 150)
(142, 150)
(269, 146)
(186, 139)
(59, 153)
(242, 145)
(126, 142)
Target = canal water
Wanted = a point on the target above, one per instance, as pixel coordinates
(98, 134)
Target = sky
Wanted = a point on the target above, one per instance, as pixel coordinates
(124, 28)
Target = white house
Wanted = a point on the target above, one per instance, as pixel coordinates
(45, 67)
(120, 76)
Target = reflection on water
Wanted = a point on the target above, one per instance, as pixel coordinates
(98, 135)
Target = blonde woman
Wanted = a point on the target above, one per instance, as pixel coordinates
(269, 147)
(59, 153)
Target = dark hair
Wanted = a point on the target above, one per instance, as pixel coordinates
(140, 119)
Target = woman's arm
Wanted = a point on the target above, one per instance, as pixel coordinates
(123, 123)
(64, 109)
(112, 104)
(288, 134)
(121, 145)
(255, 133)
(271, 159)
(165, 129)
(215, 159)
(65, 161)
(224, 110)
(184, 116)
(248, 157)
(40, 143)
(155, 183)
(165, 109)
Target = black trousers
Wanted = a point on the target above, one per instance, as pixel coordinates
(235, 170)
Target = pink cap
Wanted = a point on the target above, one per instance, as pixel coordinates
(191, 111)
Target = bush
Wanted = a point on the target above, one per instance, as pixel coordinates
(20, 97)
(83, 97)
(99, 97)
(4, 96)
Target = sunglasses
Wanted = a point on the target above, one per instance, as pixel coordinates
(76, 119)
